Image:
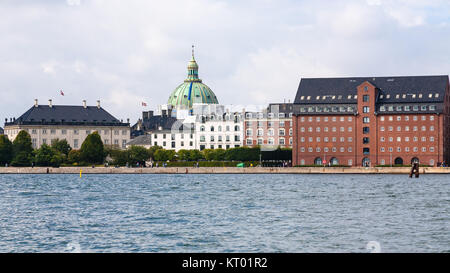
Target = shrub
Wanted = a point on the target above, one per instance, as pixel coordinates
(92, 150)
(6, 150)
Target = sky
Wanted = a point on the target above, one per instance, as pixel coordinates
(250, 52)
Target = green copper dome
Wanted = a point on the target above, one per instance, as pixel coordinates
(192, 90)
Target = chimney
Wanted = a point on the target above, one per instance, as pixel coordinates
(98, 104)
(84, 104)
(35, 103)
(50, 103)
(128, 120)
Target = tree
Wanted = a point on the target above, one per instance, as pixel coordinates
(92, 150)
(184, 155)
(44, 155)
(47, 156)
(164, 155)
(138, 154)
(22, 149)
(152, 150)
(74, 156)
(61, 146)
(196, 155)
(208, 154)
(6, 150)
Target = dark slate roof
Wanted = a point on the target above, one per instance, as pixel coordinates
(405, 85)
(67, 114)
(141, 140)
(155, 122)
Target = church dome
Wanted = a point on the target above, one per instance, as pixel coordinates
(192, 90)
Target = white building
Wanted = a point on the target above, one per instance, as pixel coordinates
(46, 123)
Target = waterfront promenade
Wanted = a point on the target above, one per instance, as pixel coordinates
(220, 170)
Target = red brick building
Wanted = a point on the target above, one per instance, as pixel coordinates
(271, 128)
(372, 121)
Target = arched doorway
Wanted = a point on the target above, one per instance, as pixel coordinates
(318, 161)
(334, 161)
(415, 160)
(366, 162)
(398, 161)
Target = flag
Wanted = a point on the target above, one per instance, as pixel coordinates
(61, 92)
(144, 104)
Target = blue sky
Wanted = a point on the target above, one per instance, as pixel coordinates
(249, 52)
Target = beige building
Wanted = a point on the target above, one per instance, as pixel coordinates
(45, 123)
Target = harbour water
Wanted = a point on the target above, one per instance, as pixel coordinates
(224, 213)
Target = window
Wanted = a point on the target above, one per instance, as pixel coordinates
(366, 151)
(75, 143)
(366, 98)
(249, 141)
(366, 130)
(366, 120)
(365, 140)
(366, 109)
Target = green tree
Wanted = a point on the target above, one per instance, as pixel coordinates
(138, 154)
(22, 149)
(152, 150)
(184, 155)
(74, 156)
(6, 150)
(208, 154)
(218, 155)
(196, 155)
(45, 156)
(92, 150)
(164, 155)
(61, 146)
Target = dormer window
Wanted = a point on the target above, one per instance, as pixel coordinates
(430, 95)
(413, 96)
(381, 96)
(318, 98)
(308, 97)
(388, 96)
(397, 96)
(436, 95)
(302, 97)
(404, 96)
(420, 96)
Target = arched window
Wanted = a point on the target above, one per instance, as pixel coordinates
(219, 128)
(398, 161)
(212, 128)
(202, 128)
(334, 161)
(366, 162)
(236, 128)
(318, 161)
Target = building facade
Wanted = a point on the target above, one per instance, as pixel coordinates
(46, 123)
(219, 131)
(372, 121)
(271, 128)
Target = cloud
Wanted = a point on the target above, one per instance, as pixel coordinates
(249, 52)
(73, 2)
